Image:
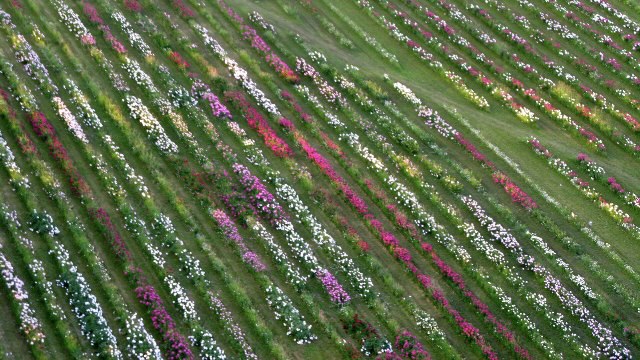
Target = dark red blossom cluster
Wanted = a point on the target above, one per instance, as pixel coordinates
(257, 122)
(372, 341)
(111, 232)
(43, 128)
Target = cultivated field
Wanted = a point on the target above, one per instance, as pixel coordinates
(318, 179)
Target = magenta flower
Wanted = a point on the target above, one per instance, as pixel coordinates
(336, 292)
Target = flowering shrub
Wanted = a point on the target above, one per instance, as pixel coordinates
(184, 9)
(598, 173)
(69, 119)
(45, 130)
(288, 97)
(326, 167)
(140, 344)
(111, 232)
(239, 73)
(457, 81)
(612, 209)
(134, 38)
(607, 343)
(329, 92)
(179, 60)
(232, 327)
(92, 13)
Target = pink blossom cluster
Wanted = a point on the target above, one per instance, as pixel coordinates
(92, 13)
(202, 90)
(466, 327)
(217, 108)
(615, 186)
(518, 195)
(329, 92)
(457, 279)
(254, 261)
(542, 150)
(286, 123)
(303, 115)
(259, 196)
(133, 5)
(326, 167)
(177, 346)
(111, 232)
(231, 232)
(407, 346)
(184, 9)
(635, 125)
(473, 150)
(336, 292)
(592, 138)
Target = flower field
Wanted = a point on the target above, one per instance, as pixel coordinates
(316, 179)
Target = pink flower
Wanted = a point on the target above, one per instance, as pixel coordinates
(88, 39)
(336, 292)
